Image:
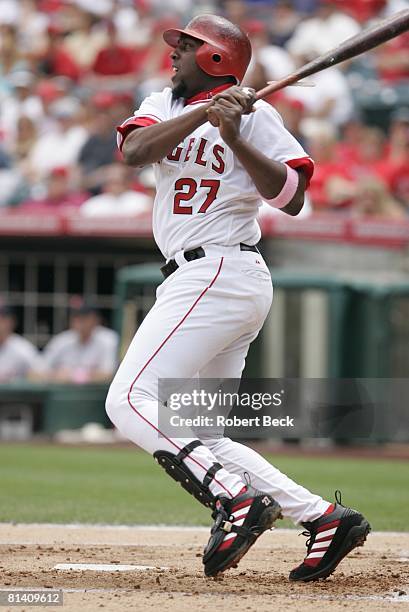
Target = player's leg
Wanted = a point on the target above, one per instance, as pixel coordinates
(193, 318)
(334, 529)
(172, 342)
(296, 502)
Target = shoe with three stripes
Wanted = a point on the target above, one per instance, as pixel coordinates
(330, 538)
(238, 524)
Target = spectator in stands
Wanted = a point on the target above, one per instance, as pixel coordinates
(85, 37)
(114, 64)
(17, 355)
(392, 60)
(49, 90)
(25, 140)
(269, 62)
(236, 11)
(398, 156)
(11, 60)
(123, 106)
(99, 9)
(21, 101)
(370, 153)
(347, 147)
(284, 21)
(373, 199)
(5, 161)
(59, 196)
(118, 197)
(153, 63)
(385, 160)
(9, 13)
(331, 187)
(61, 146)
(394, 6)
(100, 149)
(292, 112)
(85, 353)
(399, 135)
(14, 187)
(32, 26)
(56, 59)
(323, 31)
(361, 10)
(128, 19)
(331, 97)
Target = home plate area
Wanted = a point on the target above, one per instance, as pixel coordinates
(140, 568)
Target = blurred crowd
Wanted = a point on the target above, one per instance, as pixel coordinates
(71, 70)
(85, 353)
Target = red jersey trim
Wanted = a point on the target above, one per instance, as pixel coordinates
(131, 124)
(207, 95)
(305, 164)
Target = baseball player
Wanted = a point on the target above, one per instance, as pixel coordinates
(215, 157)
(17, 354)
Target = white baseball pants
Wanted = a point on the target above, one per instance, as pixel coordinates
(205, 316)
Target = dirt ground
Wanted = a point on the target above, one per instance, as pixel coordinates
(375, 577)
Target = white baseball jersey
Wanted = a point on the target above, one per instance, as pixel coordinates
(17, 357)
(204, 194)
(66, 350)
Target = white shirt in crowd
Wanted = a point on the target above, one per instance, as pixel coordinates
(329, 85)
(277, 62)
(315, 36)
(127, 203)
(17, 357)
(12, 109)
(58, 148)
(65, 351)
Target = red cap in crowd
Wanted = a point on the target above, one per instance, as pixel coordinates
(254, 26)
(60, 172)
(103, 100)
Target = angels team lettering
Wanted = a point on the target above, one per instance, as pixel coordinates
(201, 152)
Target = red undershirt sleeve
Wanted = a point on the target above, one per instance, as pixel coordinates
(131, 124)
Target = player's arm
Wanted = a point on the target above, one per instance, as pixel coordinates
(269, 176)
(147, 145)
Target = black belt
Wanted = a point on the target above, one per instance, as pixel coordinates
(198, 253)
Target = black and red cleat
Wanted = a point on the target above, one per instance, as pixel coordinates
(238, 524)
(330, 538)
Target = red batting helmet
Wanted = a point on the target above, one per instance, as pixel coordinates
(226, 49)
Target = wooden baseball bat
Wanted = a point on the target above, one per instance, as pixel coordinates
(364, 41)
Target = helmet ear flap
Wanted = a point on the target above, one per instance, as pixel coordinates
(212, 59)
